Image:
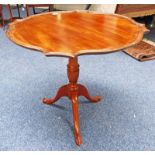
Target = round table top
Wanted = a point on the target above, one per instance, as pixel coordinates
(73, 33)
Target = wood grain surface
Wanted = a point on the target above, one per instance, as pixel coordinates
(71, 34)
(74, 33)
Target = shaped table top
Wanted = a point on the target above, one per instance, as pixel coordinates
(73, 33)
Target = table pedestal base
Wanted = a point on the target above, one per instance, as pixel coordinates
(73, 91)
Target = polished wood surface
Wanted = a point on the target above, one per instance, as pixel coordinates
(73, 91)
(74, 33)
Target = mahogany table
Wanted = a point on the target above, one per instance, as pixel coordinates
(71, 34)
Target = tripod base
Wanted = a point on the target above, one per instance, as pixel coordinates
(73, 91)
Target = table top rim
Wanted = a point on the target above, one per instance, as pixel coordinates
(142, 27)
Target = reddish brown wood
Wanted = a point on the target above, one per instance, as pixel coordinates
(135, 10)
(10, 12)
(1, 16)
(28, 6)
(75, 33)
(1, 8)
(72, 34)
(73, 91)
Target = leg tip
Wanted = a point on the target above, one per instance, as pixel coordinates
(97, 99)
(78, 141)
(46, 101)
